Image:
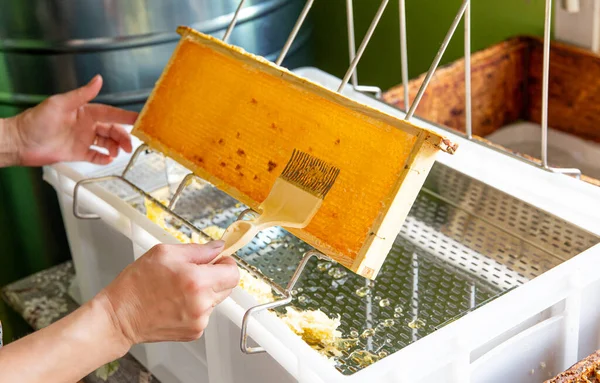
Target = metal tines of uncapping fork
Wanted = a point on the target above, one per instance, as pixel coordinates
(295, 198)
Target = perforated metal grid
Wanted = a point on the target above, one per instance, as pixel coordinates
(507, 214)
(463, 244)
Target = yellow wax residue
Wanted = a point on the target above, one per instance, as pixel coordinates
(363, 358)
(215, 232)
(157, 215)
(314, 327)
(257, 288)
(154, 212)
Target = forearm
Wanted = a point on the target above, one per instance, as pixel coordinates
(9, 148)
(67, 350)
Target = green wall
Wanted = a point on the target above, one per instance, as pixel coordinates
(427, 24)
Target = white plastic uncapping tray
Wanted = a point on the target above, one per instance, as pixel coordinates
(525, 335)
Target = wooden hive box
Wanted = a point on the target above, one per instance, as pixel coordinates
(586, 370)
(234, 119)
(506, 86)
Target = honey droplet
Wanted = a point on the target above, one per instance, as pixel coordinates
(388, 323)
(323, 266)
(368, 333)
(382, 354)
(363, 358)
(354, 334)
(300, 289)
(337, 273)
(302, 299)
(376, 298)
(384, 302)
(398, 310)
(346, 344)
(416, 323)
(363, 291)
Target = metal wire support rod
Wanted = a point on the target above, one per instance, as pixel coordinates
(404, 53)
(271, 305)
(545, 87)
(351, 37)
(545, 80)
(352, 52)
(182, 185)
(436, 60)
(133, 159)
(126, 170)
(78, 185)
(245, 213)
(468, 96)
(364, 44)
(236, 15)
(294, 32)
(572, 171)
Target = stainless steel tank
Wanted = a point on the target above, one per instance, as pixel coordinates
(50, 46)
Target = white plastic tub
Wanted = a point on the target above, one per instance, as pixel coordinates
(551, 321)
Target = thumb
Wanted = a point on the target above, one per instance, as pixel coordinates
(82, 95)
(203, 254)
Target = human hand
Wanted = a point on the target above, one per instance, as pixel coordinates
(65, 126)
(169, 293)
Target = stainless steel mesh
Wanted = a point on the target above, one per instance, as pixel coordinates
(463, 244)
